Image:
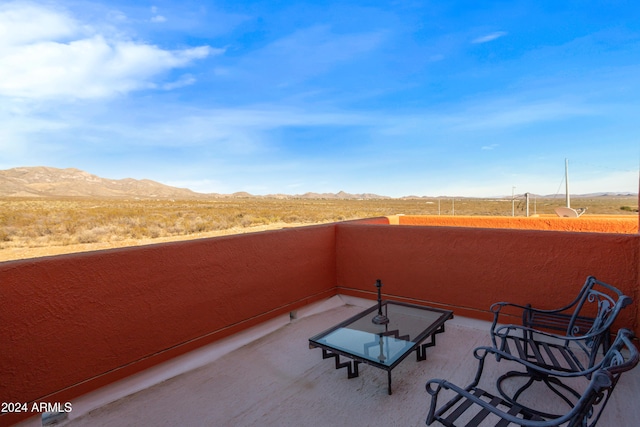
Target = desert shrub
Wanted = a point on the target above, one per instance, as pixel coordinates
(87, 236)
(175, 229)
(155, 231)
(37, 222)
(4, 235)
(41, 241)
(291, 218)
(221, 225)
(246, 220)
(197, 225)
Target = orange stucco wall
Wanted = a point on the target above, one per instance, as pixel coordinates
(626, 224)
(468, 269)
(70, 324)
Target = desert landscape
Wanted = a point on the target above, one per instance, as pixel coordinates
(38, 217)
(31, 227)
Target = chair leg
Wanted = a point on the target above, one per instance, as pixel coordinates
(552, 380)
(553, 383)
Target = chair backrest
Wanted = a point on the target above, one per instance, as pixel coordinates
(596, 307)
(622, 356)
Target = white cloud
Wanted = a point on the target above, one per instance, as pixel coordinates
(487, 116)
(117, 16)
(236, 131)
(45, 53)
(23, 23)
(157, 18)
(489, 37)
(502, 115)
(489, 147)
(184, 80)
(309, 52)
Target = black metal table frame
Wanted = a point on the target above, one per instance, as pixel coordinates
(418, 346)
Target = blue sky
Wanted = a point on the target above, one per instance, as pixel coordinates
(428, 98)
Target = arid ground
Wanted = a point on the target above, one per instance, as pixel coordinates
(40, 227)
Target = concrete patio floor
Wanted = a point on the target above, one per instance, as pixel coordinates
(268, 376)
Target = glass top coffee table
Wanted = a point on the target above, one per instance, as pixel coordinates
(382, 345)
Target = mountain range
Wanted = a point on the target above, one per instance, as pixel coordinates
(42, 181)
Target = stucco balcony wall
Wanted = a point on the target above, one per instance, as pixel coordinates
(625, 224)
(468, 269)
(72, 323)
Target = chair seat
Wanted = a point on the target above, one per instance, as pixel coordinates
(473, 406)
(466, 412)
(548, 355)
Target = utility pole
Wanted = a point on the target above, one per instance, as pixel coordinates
(513, 201)
(566, 181)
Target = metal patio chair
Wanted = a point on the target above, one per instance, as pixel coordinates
(585, 323)
(473, 406)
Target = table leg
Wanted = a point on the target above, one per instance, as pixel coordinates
(421, 350)
(351, 365)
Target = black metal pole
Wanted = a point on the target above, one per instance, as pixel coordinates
(380, 319)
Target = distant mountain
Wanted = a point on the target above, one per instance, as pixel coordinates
(43, 181)
(605, 195)
(587, 195)
(339, 196)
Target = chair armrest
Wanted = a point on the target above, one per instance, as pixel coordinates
(506, 331)
(499, 354)
(434, 397)
(440, 383)
(497, 307)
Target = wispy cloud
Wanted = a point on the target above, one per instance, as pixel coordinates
(184, 80)
(307, 53)
(489, 37)
(396, 102)
(157, 18)
(500, 114)
(47, 54)
(484, 115)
